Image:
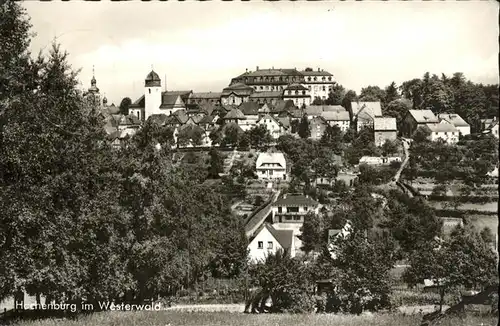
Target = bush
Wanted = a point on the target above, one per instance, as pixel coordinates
(294, 301)
(250, 155)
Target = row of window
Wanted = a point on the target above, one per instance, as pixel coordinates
(284, 79)
(260, 245)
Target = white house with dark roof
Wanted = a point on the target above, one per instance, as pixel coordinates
(456, 120)
(273, 125)
(271, 166)
(268, 240)
(291, 208)
(339, 118)
(417, 118)
(384, 129)
(251, 112)
(443, 131)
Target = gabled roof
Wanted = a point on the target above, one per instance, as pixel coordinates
(249, 108)
(388, 124)
(283, 105)
(207, 107)
(267, 94)
(271, 72)
(208, 119)
(265, 109)
(335, 115)
(284, 121)
(268, 117)
(423, 116)
(206, 95)
(295, 200)
(238, 89)
(162, 119)
(372, 108)
(231, 124)
(235, 114)
(169, 100)
(314, 110)
(283, 237)
(296, 113)
(319, 121)
(454, 119)
(181, 115)
(139, 103)
(267, 158)
(441, 127)
(197, 118)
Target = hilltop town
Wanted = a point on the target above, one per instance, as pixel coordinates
(284, 192)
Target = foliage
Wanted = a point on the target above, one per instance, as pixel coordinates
(304, 128)
(312, 232)
(372, 94)
(389, 147)
(463, 260)
(216, 163)
(333, 139)
(125, 105)
(259, 136)
(286, 280)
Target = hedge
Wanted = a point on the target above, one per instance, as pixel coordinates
(465, 199)
(461, 213)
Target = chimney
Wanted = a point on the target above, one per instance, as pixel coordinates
(307, 196)
(318, 69)
(257, 68)
(284, 196)
(273, 67)
(246, 69)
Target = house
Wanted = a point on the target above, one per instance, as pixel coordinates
(292, 208)
(298, 94)
(205, 97)
(236, 94)
(317, 126)
(251, 112)
(339, 118)
(364, 113)
(491, 127)
(457, 121)
(154, 101)
(349, 178)
(235, 116)
(384, 129)
(271, 166)
(417, 118)
(376, 160)
(273, 125)
(266, 97)
(443, 131)
(268, 240)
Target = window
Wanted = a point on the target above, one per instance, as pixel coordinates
(260, 245)
(315, 78)
(280, 210)
(269, 245)
(323, 78)
(149, 89)
(303, 92)
(324, 88)
(292, 209)
(296, 218)
(329, 78)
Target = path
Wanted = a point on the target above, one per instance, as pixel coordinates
(256, 221)
(228, 163)
(406, 147)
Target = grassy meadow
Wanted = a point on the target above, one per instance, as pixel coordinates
(166, 318)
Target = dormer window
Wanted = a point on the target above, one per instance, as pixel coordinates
(323, 78)
(329, 78)
(309, 78)
(315, 78)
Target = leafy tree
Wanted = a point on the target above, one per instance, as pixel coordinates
(332, 138)
(397, 109)
(312, 232)
(216, 163)
(259, 136)
(389, 147)
(286, 281)
(215, 136)
(336, 96)
(391, 93)
(317, 101)
(349, 97)
(244, 141)
(125, 105)
(372, 94)
(231, 135)
(463, 260)
(421, 135)
(304, 127)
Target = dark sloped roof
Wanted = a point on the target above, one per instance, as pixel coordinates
(207, 119)
(284, 237)
(181, 115)
(249, 108)
(231, 125)
(295, 200)
(235, 114)
(293, 87)
(206, 95)
(316, 73)
(160, 119)
(140, 102)
(267, 94)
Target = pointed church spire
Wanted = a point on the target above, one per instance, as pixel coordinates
(93, 81)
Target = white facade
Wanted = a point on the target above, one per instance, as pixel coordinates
(152, 101)
(271, 166)
(272, 125)
(444, 131)
(249, 122)
(262, 246)
(494, 130)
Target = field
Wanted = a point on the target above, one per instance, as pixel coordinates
(167, 318)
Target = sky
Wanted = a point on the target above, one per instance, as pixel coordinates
(200, 46)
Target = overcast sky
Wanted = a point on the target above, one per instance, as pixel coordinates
(200, 46)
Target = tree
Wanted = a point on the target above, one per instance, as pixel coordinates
(216, 164)
(421, 135)
(332, 138)
(125, 105)
(372, 94)
(336, 95)
(312, 232)
(317, 101)
(259, 136)
(349, 97)
(463, 260)
(304, 128)
(391, 93)
(389, 147)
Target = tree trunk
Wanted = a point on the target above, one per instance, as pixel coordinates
(441, 299)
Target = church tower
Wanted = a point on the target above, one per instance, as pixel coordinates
(152, 94)
(93, 96)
